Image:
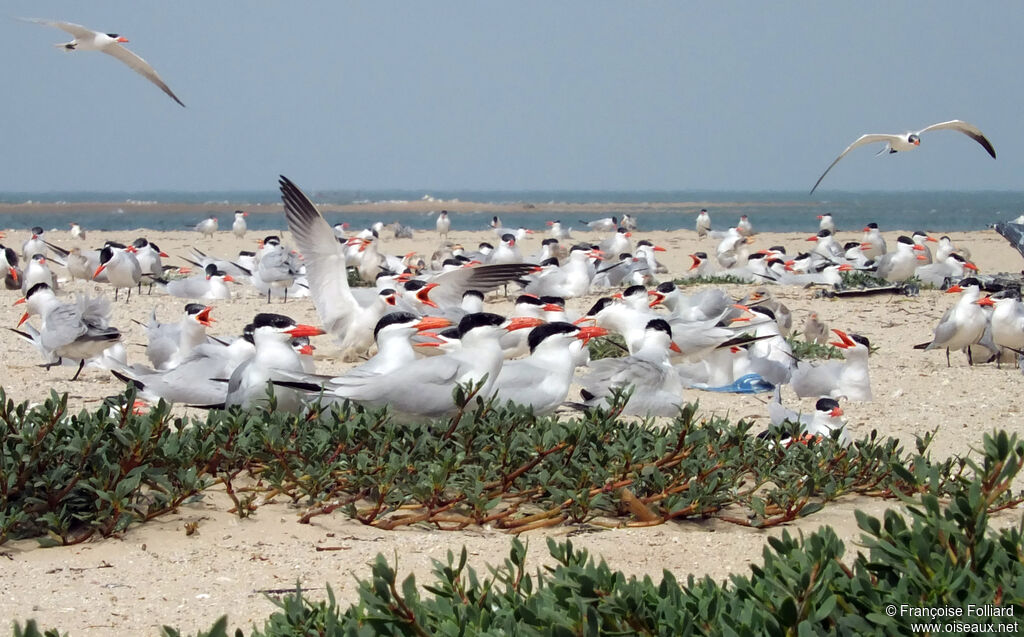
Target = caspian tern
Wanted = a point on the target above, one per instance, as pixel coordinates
(238, 226)
(744, 227)
(825, 420)
(121, 266)
(171, 343)
(443, 224)
(211, 285)
(109, 43)
(910, 141)
(541, 380)
(608, 224)
(703, 223)
(873, 243)
(207, 227)
(76, 232)
(922, 239)
(274, 357)
(37, 271)
(963, 324)
(34, 245)
(899, 265)
(1007, 323)
(78, 331)
(849, 378)
(557, 231)
(423, 388)
(657, 389)
(950, 268)
(826, 222)
(9, 265)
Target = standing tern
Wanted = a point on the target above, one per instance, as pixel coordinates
(78, 331)
(121, 266)
(109, 43)
(238, 226)
(963, 324)
(910, 141)
(443, 224)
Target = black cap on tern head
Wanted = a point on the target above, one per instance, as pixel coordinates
(194, 308)
(485, 245)
(211, 269)
(863, 340)
(541, 332)
(36, 288)
(781, 249)
(247, 333)
(905, 239)
(666, 287)
(272, 239)
(873, 225)
(473, 293)
(114, 244)
(479, 319)
(633, 290)
(37, 230)
(414, 284)
(141, 242)
(528, 299)
(969, 281)
(763, 310)
(659, 324)
(267, 319)
(508, 237)
(824, 232)
(553, 300)
(552, 261)
(106, 254)
(826, 404)
(392, 319)
(849, 245)
(701, 255)
(601, 303)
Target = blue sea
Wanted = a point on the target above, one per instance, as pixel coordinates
(769, 211)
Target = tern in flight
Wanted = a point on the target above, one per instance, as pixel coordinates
(909, 141)
(109, 43)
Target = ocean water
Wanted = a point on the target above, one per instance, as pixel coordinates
(769, 211)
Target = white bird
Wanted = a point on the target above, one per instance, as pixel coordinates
(743, 226)
(849, 378)
(873, 243)
(617, 243)
(899, 265)
(207, 227)
(274, 358)
(37, 271)
(211, 285)
(557, 231)
(1007, 323)
(827, 247)
(109, 43)
(9, 266)
(657, 389)
(703, 224)
(951, 267)
(168, 344)
(541, 381)
(34, 245)
(77, 232)
(825, 222)
(922, 239)
(910, 141)
(239, 226)
(121, 266)
(423, 388)
(608, 224)
(77, 331)
(443, 224)
(963, 324)
(825, 420)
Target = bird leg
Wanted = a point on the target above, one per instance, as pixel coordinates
(947, 358)
(81, 364)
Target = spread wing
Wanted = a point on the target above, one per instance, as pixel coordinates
(870, 138)
(76, 30)
(966, 128)
(324, 258)
(141, 67)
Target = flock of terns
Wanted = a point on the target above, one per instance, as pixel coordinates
(426, 324)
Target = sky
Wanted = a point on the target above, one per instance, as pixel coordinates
(525, 95)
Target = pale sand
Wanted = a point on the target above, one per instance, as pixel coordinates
(158, 575)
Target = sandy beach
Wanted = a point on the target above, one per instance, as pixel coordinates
(154, 574)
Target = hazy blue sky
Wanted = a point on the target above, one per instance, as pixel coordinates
(514, 95)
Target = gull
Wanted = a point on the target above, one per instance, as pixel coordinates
(109, 43)
(910, 141)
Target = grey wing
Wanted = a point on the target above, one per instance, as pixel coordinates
(76, 30)
(870, 138)
(324, 258)
(63, 325)
(431, 379)
(94, 311)
(815, 381)
(1012, 232)
(943, 331)
(483, 278)
(966, 128)
(141, 67)
(190, 288)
